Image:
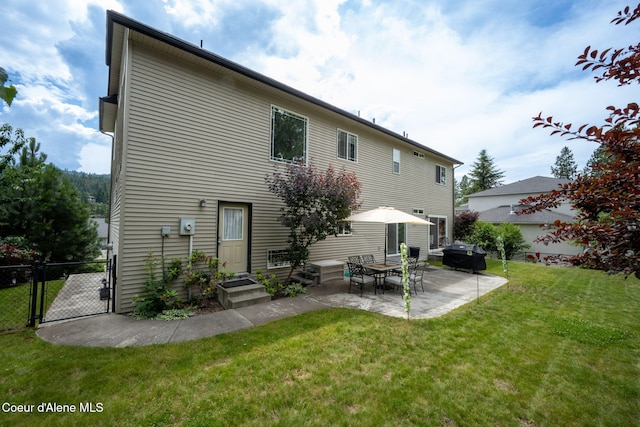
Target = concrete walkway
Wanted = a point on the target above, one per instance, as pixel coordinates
(444, 290)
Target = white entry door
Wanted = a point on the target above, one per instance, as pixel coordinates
(233, 225)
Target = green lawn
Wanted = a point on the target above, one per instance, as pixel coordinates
(554, 347)
(14, 303)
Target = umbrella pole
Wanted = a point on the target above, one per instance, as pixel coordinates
(385, 244)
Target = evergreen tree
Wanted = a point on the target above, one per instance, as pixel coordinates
(565, 167)
(485, 174)
(463, 189)
(40, 206)
(596, 161)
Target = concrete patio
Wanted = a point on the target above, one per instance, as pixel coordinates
(445, 290)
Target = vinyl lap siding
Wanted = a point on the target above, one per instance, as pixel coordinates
(200, 134)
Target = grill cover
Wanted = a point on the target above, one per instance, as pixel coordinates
(464, 256)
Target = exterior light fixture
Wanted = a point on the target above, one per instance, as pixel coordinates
(203, 203)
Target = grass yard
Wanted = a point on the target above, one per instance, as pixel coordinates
(554, 347)
(14, 303)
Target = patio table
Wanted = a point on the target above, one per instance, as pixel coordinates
(380, 270)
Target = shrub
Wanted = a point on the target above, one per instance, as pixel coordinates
(293, 289)
(512, 239)
(484, 235)
(158, 294)
(272, 284)
(14, 251)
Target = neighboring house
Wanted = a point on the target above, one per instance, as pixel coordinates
(501, 204)
(103, 233)
(195, 135)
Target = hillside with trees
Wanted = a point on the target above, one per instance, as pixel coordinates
(93, 189)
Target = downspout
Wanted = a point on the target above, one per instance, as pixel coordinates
(110, 182)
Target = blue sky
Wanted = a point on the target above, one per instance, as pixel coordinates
(457, 76)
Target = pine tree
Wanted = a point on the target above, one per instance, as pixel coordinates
(485, 174)
(596, 161)
(565, 167)
(463, 189)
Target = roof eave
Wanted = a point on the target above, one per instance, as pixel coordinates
(117, 18)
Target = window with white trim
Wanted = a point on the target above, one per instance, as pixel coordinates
(441, 175)
(396, 160)
(288, 136)
(344, 229)
(277, 258)
(347, 146)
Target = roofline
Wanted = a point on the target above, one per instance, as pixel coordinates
(117, 18)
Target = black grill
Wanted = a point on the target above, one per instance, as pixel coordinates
(470, 257)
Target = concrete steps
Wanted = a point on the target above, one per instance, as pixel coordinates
(242, 296)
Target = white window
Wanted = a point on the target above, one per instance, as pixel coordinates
(396, 161)
(288, 136)
(233, 225)
(441, 175)
(347, 146)
(344, 229)
(418, 211)
(278, 258)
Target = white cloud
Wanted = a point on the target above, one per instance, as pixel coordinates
(457, 77)
(455, 90)
(197, 13)
(95, 158)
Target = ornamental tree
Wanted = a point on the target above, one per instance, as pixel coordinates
(607, 200)
(315, 202)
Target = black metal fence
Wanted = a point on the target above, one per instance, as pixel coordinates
(46, 292)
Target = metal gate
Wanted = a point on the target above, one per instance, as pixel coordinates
(62, 291)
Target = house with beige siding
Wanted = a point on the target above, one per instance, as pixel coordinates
(195, 135)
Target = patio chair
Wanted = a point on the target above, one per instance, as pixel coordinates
(355, 259)
(358, 277)
(416, 273)
(368, 259)
(411, 260)
(417, 276)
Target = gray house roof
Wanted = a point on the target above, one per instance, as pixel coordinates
(505, 214)
(537, 184)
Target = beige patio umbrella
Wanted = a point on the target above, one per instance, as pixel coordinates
(387, 215)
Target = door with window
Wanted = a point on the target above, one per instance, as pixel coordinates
(233, 243)
(396, 234)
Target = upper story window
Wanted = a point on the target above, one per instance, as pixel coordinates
(288, 136)
(396, 161)
(441, 175)
(347, 146)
